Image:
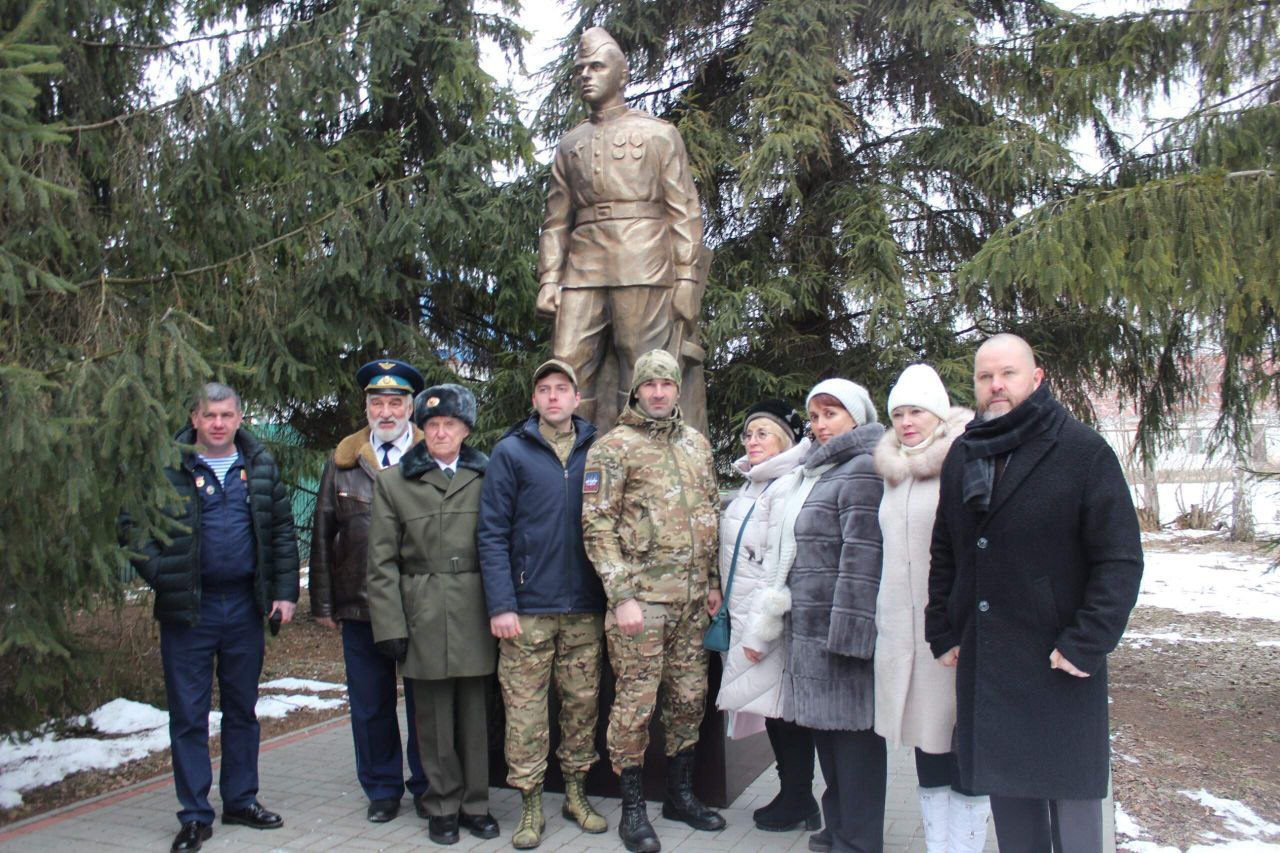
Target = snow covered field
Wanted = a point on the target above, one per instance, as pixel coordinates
(122, 731)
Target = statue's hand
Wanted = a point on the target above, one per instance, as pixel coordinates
(548, 301)
(684, 297)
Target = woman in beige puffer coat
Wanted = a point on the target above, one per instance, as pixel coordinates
(915, 694)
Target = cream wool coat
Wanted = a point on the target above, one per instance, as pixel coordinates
(753, 688)
(915, 695)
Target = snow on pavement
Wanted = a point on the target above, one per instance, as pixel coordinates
(122, 731)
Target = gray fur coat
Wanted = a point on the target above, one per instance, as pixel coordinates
(830, 632)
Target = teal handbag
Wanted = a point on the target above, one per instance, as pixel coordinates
(716, 638)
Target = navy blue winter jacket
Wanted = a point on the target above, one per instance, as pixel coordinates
(530, 529)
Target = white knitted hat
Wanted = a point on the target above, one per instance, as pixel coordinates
(854, 398)
(920, 385)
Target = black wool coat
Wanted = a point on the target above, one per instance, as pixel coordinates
(1055, 563)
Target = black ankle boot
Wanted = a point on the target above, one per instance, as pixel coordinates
(680, 803)
(634, 829)
(792, 808)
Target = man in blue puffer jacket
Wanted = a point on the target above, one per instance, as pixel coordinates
(545, 601)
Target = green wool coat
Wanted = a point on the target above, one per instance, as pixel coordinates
(423, 574)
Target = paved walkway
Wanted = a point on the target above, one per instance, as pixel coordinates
(309, 777)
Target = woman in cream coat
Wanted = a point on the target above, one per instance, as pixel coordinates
(752, 681)
(915, 695)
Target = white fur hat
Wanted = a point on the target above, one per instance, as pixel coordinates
(854, 398)
(920, 385)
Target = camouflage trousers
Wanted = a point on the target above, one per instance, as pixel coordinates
(668, 653)
(566, 646)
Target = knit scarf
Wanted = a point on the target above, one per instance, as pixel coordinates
(984, 440)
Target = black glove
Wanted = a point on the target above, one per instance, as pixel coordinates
(396, 650)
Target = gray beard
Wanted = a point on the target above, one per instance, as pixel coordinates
(389, 434)
(988, 416)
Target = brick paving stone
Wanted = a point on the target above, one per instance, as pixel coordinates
(310, 779)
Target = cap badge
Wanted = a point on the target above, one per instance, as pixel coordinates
(386, 365)
(432, 402)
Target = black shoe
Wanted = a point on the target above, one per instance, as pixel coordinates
(443, 829)
(191, 836)
(820, 842)
(680, 803)
(420, 806)
(381, 811)
(479, 825)
(792, 808)
(253, 815)
(634, 828)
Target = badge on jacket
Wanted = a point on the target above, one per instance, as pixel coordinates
(199, 481)
(590, 482)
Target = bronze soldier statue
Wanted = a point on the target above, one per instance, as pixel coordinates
(621, 264)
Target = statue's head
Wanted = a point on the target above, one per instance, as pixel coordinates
(600, 68)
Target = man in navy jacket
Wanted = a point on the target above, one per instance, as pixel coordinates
(230, 562)
(546, 603)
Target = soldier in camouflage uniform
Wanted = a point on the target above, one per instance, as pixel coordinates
(650, 514)
(546, 604)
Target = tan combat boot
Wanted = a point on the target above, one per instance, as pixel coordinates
(528, 832)
(577, 807)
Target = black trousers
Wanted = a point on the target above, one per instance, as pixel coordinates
(793, 749)
(854, 765)
(1026, 825)
(939, 771)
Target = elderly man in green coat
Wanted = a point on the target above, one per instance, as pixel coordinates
(426, 603)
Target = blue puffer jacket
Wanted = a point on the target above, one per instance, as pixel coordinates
(530, 530)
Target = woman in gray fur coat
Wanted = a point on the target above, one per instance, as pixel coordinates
(824, 573)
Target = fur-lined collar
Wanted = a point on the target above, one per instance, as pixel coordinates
(351, 448)
(417, 461)
(896, 467)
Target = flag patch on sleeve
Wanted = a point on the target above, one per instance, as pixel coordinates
(590, 482)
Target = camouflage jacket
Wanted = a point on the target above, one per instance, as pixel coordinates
(650, 511)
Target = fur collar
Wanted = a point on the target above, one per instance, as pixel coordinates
(896, 467)
(351, 448)
(417, 461)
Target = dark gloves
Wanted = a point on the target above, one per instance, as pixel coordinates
(397, 650)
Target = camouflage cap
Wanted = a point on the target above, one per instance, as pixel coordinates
(594, 39)
(555, 365)
(655, 364)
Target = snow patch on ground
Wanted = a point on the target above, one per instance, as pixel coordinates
(1235, 585)
(1236, 816)
(122, 731)
(1143, 640)
(1269, 644)
(283, 706)
(1179, 534)
(301, 685)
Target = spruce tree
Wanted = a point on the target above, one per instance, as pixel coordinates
(325, 197)
(855, 158)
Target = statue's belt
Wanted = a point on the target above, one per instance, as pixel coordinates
(618, 210)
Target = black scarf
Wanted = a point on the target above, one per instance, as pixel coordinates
(984, 440)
